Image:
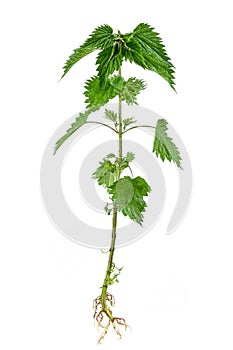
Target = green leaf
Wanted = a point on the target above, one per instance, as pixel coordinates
(108, 60)
(110, 155)
(132, 50)
(131, 89)
(117, 82)
(127, 195)
(97, 95)
(106, 173)
(123, 192)
(151, 42)
(100, 38)
(110, 115)
(79, 121)
(165, 71)
(145, 48)
(130, 156)
(164, 146)
(128, 121)
(115, 272)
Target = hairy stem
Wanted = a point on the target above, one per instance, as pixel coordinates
(114, 218)
(109, 267)
(120, 125)
(102, 304)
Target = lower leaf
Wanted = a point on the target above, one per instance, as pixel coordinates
(127, 196)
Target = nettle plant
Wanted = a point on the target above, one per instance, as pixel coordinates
(144, 47)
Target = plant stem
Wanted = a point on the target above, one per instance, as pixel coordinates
(114, 218)
(109, 267)
(120, 124)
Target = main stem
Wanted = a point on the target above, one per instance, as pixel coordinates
(114, 217)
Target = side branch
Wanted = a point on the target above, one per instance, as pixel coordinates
(139, 126)
(103, 124)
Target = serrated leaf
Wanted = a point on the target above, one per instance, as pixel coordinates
(101, 37)
(79, 121)
(131, 89)
(132, 51)
(164, 145)
(123, 193)
(154, 53)
(106, 173)
(97, 94)
(127, 195)
(151, 42)
(145, 48)
(108, 60)
(165, 71)
(117, 82)
(110, 115)
(110, 155)
(128, 121)
(130, 156)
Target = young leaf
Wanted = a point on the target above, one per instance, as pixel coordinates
(97, 95)
(106, 173)
(110, 155)
(110, 115)
(131, 89)
(79, 121)
(101, 37)
(128, 121)
(130, 156)
(164, 146)
(127, 195)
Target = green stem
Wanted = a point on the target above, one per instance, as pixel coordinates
(109, 267)
(114, 219)
(120, 125)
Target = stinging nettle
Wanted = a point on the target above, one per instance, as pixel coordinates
(144, 47)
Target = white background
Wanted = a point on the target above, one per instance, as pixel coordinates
(175, 291)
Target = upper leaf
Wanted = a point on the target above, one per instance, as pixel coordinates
(151, 42)
(132, 50)
(145, 48)
(109, 60)
(131, 89)
(142, 46)
(164, 146)
(100, 38)
(79, 121)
